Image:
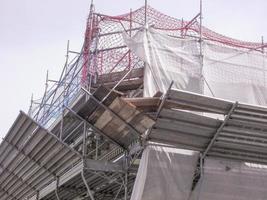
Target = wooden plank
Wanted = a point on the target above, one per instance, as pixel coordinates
(90, 110)
(114, 127)
(116, 76)
(152, 103)
(142, 122)
(107, 117)
(118, 130)
(125, 85)
(144, 101)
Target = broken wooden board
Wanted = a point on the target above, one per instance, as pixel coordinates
(91, 110)
(132, 81)
(118, 130)
(122, 121)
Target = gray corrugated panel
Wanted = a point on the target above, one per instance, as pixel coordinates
(195, 101)
(26, 165)
(187, 122)
(185, 128)
(65, 178)
(242, 136)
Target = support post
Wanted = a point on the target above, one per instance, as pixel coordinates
(64, 92)
(46, 88)
(126, 177)
(90, 193)
(43, 101)
(37, 195)
(182, 29)
(130, 34)
(201, 46)
(263, 61)
(262, 44)
(97, 139)
(84, 139)
(30, 109)
(165, 97)
(145, 12)
(56, 190)
(216, 135)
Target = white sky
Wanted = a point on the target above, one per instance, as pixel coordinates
(34, 33)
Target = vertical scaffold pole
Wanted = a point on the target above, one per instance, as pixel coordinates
(126, 177)
(84, 139)
(31, 105)
(262, 44)
(145, 12)
(64, 91)
(45, 94)
(130, 34)
(263, 61)
(89, 58)
(201, 46)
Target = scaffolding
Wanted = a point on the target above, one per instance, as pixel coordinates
(84, 138)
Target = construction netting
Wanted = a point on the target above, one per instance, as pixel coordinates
(164, 173)
(104, 48)
(105, 51)
(234, 73)
(223, 71)
(168, 173)
(167, 59)
(231, 180)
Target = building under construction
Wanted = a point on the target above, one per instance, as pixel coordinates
(152, 107)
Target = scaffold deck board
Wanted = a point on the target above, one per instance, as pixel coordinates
(117, 129)
(241, 134)
(91, 109)
(30, 158)
(120, 120)
(132, 81)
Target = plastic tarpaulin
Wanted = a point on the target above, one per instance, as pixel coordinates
(230, 73)
(164, 173)
(235, 74)
(231, 180)
(167, 59)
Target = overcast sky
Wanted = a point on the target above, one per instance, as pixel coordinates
(34, 33)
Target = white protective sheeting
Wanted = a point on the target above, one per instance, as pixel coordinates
(167, 58)
(164, 173)
(231, 180)
(230, 73)
(235, 74)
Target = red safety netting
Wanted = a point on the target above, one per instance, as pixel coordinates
(104, 49)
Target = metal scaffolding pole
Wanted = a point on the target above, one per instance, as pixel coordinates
(64, 93)
(201, 46)
(145, 12)
(89, 191)
(56, 190)
(126, 176)
(218, 131)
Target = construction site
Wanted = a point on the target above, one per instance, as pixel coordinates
(153, 107)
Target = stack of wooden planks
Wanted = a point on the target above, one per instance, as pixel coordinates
(116, 118)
